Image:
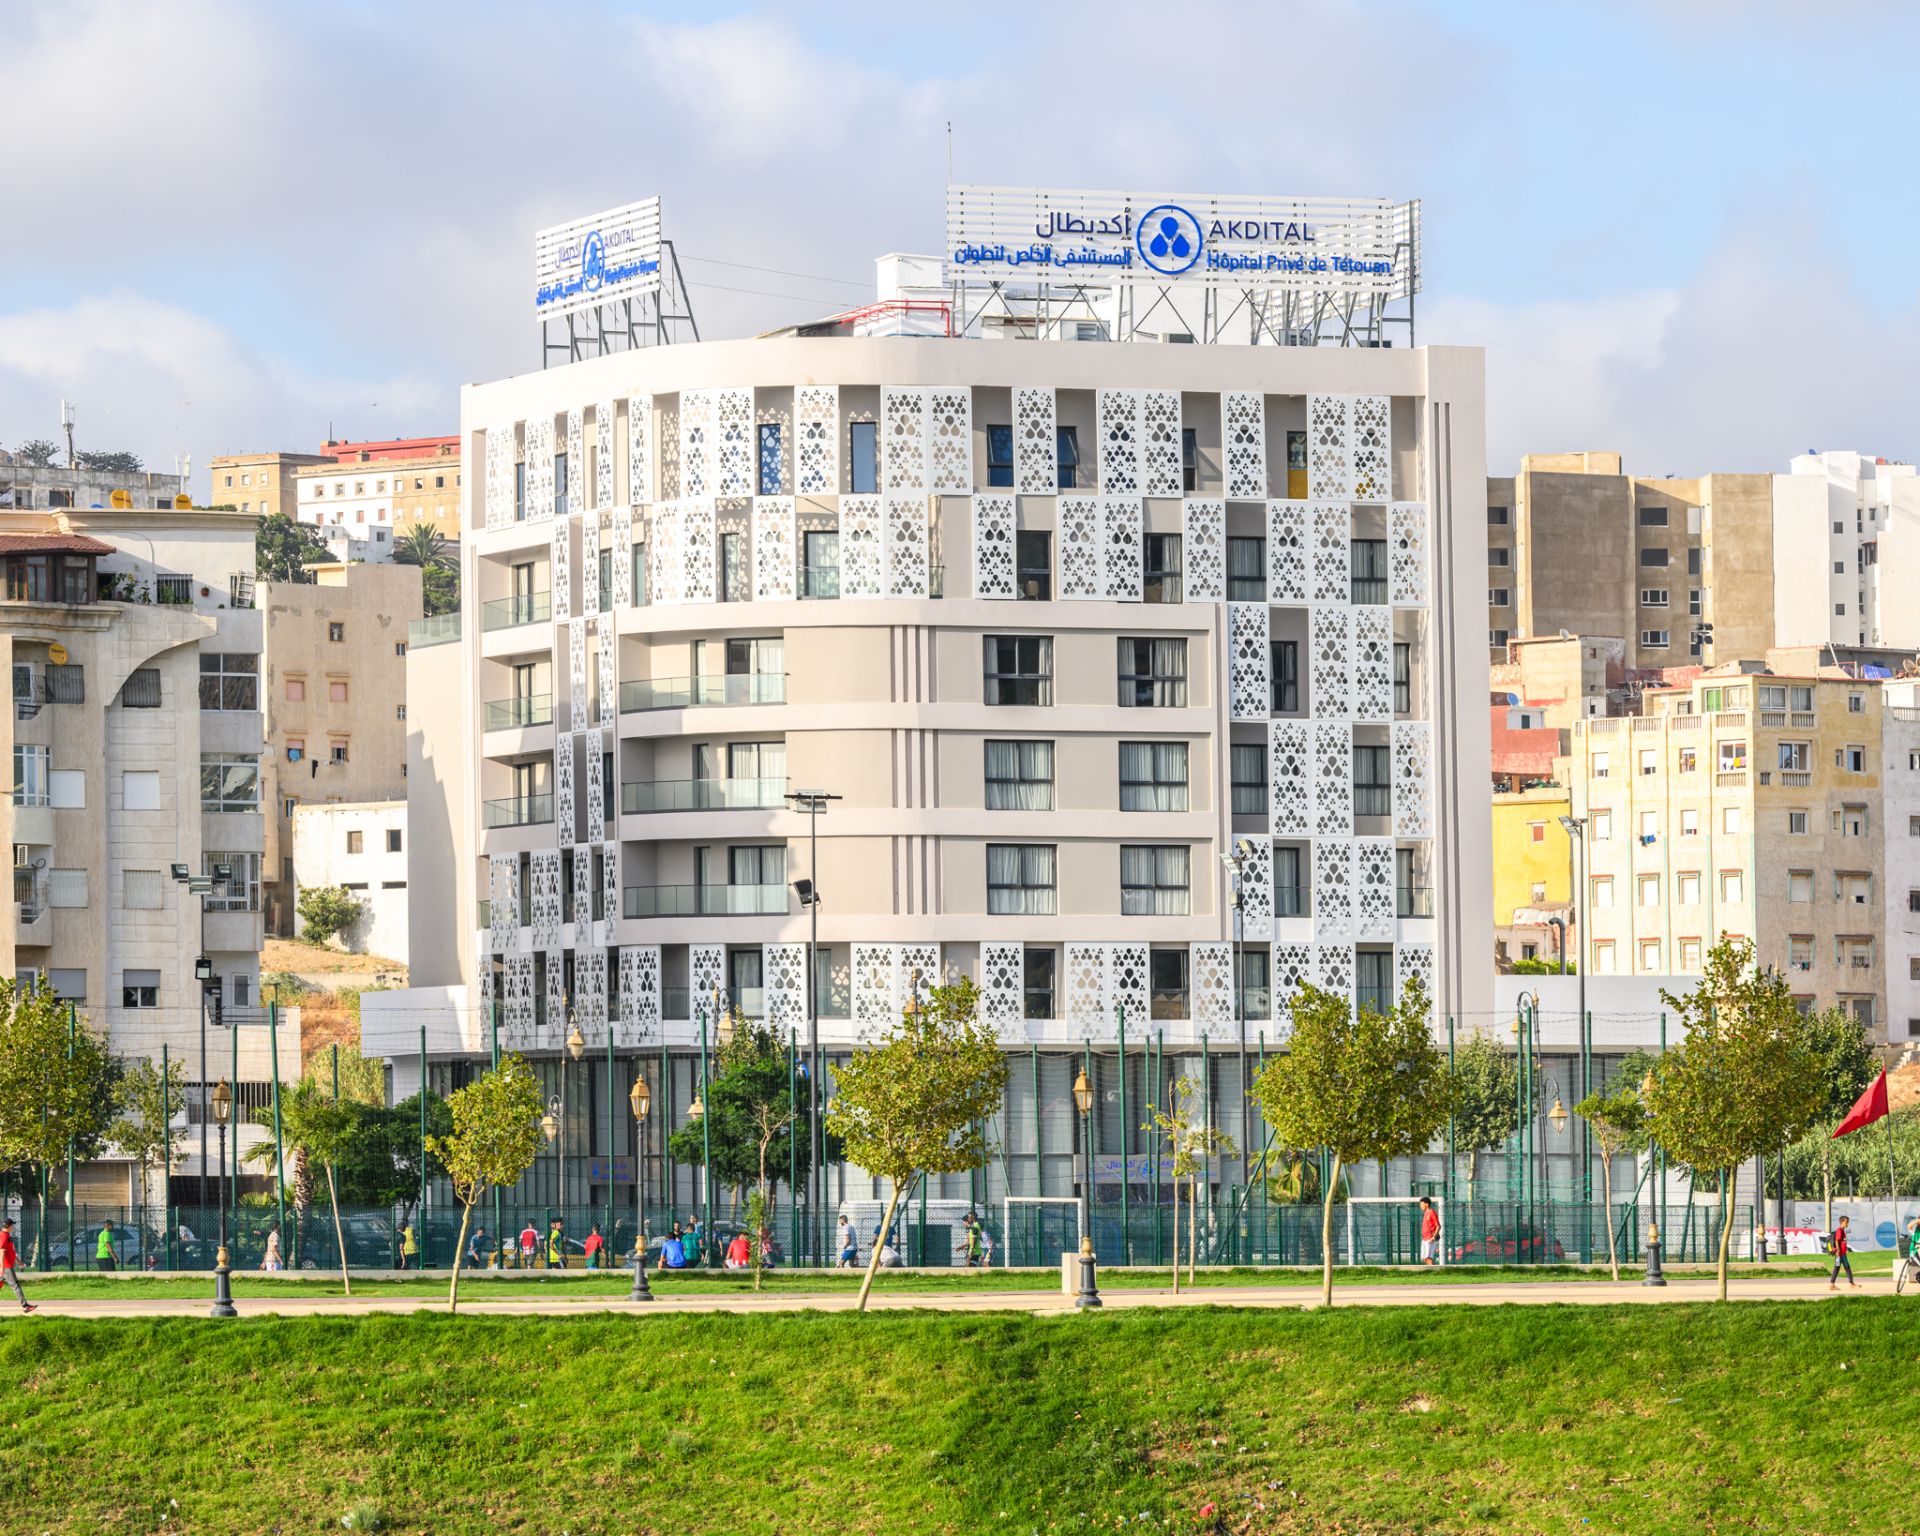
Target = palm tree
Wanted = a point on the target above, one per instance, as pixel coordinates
(316, 1128)
(421, 545)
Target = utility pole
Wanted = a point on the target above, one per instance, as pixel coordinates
(813, 801)
(66, 422)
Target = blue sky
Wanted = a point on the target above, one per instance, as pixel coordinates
(1682, 230)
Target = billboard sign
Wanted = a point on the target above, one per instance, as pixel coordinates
(1360, 247)
(601, 259)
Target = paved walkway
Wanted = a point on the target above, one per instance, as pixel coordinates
(1038, 1302)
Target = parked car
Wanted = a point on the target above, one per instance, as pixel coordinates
(126, 1244)
(1517, 1245)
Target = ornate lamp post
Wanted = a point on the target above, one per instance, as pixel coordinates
(1089, 1282)
(641, 1101)
(222, 1273)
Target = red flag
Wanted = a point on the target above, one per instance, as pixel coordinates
(1869, 1107)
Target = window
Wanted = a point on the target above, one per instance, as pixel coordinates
(520, 492)
(1794, 755)
(1656, 639)
(1153, 881)
(1019, 669)
(139, 989)
(1602, 891)
(229, 781)
(1189, 458)
(560, 507)
(1153, 775)
(66, 888)
(863, 457)
(141, 690)
(1153, 673)
(1650, 957)
(1731, 887)
(1249, 778)
(1372, 781)
(1162, 583)
(31, 774)
(1733, 757)
(1653, 517)
(399, 711)
(1603, 957)
(1497, 638)
(1689, 955)
(1067, 443)
(1693, 602)
(139, 791)
(1020, 879)
(1653, 597)
(66, 683)
(1000, 458)
(1687, 888)
(1730, 820)
(1019, 775)
(1649, 761)
(1839, 610)
(1284, 676)
(1851, 759)
(1649, 890)
(733, 568)
(1499, 517)
(336, 633)
(67, 789)
(1796, 823)
(1649, 825)
(1602, 765)
(1602, 828)
(1246, 570)
(1913, 826)
(296, 748)
(1536, 831)
(1402, 677)
(820, 563)
(1689, 823)
(1653, 559)
(356, 841)
(1851, 821)
(70, 986)
(1799, 885)
(1037, 982)
(1033, 559)
(1497, 597)
(336, 752)
(1856, 703)
(1689, 760)
(140, 890)
(1367, 570)
(769, 458)
(1500, 557)
(336, 690)
(393, 839)
(296, 690)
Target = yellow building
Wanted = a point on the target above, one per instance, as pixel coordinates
(1532, 870)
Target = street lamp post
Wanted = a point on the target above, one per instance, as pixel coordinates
(222, 1272)
(1576, 829)
(1089, 1281)
(641, 1101)
(813, 802)
(576, 1048)
(1243, 850)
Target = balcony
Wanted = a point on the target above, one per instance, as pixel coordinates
(518, 811)
(644, 796)
(698, 692)
(483, 915)
(1289, 901)
(441, 629)
(820, 581)
(1735, 778)
(703, 900)
(506, 612)
(1413, 901)
(518, 713)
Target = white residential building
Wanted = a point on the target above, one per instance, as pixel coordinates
(361, 846)
(1856, 520)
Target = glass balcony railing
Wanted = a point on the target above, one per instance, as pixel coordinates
(1413, 901)
(820, 581)
(527, 608)
(638, 798)
(1289, 901)
(524, 710)
(441, 629)
(703, 900)
(698, 692)
(518, 810)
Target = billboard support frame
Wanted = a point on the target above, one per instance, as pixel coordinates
(654, 319)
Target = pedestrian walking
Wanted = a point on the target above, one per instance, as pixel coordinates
(409, 1248)
(972, 1241)
(1429, 1231)
(10, 1264)
(104, 1258)
(556, 1245)
(1841, 1248)
(270, 1260)
(594, 1243)
(529, 1241)
(849, 1246)
(476, 1246)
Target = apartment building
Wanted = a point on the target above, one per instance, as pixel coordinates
(1746, 803)
(334, 673)
(362, 848)
(1900, 835)
(1040, 615)
(135, 739)
(1856, 520)
(50, 488)
(366, 494)
(261, 484)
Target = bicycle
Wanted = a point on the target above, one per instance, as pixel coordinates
(1907, 1270)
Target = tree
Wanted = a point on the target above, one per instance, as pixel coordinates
(440, 590)
(918, 1103)
(1485, 1097)
(282, 548)
(1190, 1143)
(37, 453)
(380, 1163)
(421, 544)
(57, 1083)
(1366, 1085)
(320, 1130)
(1742, 1081)
(1619, 1122)
(143, 1129)
(326, 911)
(494, 1139)
(115, 461)
(1847, 1065)
(750, 1115)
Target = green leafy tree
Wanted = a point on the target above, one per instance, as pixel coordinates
(1485, 1098)
(421, 544)
(57, 1084)
(751, 1119)
(380, 1164)
(142, 1127)
(440, 590)
(1618, 1118)
(110, 461)
(1366, 1085)
(37, 453)
(1744, 1079)
(1191, 1143)
(326, 911)
(283, 548)
(1540, 965)
(918, 1103)
(494, 1139)
(1847, 1065)
(318, 1128)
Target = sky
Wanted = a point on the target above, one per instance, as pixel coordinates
(1683, 229)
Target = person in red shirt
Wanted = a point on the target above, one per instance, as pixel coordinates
(9, 1264)
(739, 1252)
(1429, 1232)
(1841, 1248)
(592, 1246)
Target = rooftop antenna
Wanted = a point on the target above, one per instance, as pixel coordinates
(949, 151)
(66, 421)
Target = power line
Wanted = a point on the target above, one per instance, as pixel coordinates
(812, 277)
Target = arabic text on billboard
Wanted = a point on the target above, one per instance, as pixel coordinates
(1360, 246)
(601, 259)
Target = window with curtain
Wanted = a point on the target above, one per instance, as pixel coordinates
(1153, 775)
(1372, 782)
(1246, 570)
(1020, 879)
(769, 458)
(1369, 564)
(1373, 979)
(759, 865)
(1019, 775)
(1402, 678)
(1249, 780)
(1167, 983)
(1038, 982)
(1289, 890)
(733, 568)
(1153, 673)
(1153, 881)
(1162, 582)
(1019, 669)
(756, 760)
(1255, 998)
(820, 563)
(1000, 456)
(1284, 679)
(1033, 556)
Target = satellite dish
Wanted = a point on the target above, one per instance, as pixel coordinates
(57, 654)
(120, 500)
(1564, 635)
(183, 503)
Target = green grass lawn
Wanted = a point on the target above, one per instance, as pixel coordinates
(1762, 1417)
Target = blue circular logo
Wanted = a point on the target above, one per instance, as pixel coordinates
(1169, 239)
(593, 262)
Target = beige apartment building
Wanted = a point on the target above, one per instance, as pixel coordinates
(1745, 803)
(364, 496)
(335, 680)
(260, 484)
